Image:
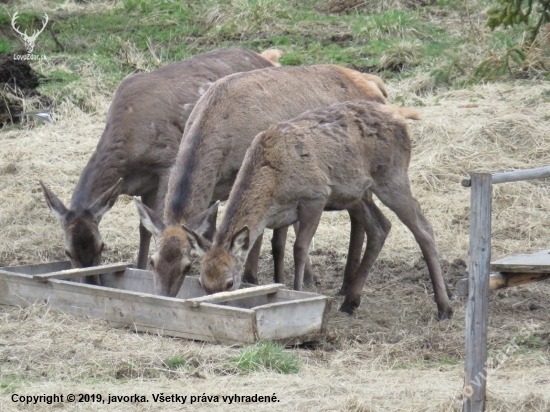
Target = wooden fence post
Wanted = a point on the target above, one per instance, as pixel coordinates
(478, 293)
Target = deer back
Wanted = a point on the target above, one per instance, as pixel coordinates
(334, 153)
(237, 108)
(147, 117)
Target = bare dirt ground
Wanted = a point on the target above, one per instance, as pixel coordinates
(392, 355)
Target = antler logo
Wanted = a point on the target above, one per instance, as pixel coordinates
(29, 40)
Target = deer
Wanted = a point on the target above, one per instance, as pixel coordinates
(218, 133)
(144, 126)
(334, 158)
(28, 40)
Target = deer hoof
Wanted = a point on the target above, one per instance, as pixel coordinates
(311, 280)
(349, 305)
(445, 314)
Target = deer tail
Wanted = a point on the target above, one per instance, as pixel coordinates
(273, 55)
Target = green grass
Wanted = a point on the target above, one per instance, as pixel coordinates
(267, 355)
(137, 35)
(175, 362)
(5, 46)
(9, 384)
(531, 342)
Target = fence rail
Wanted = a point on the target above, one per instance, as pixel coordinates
(478, 279)
(515, 176)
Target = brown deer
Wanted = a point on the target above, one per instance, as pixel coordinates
(144, 127)
(328, 159)
(217, 135)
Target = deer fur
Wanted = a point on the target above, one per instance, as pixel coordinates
(333, 158)
(218, 133)
(145, 124)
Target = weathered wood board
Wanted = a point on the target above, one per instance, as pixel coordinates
(268, 312)
(514, 271)
(532, 263)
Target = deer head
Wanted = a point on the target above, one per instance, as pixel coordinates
(29, 40)
(83, 243)
(171, 260)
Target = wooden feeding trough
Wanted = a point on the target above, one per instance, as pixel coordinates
(514, 271)
(251, 314)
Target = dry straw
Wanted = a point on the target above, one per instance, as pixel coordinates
(391, 355)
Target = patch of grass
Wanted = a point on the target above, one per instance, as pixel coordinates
(447, 360)
(267, 355)
(412, 364)
(448, 72)
(531, 342)
(5, 46)
(175, 362)
(8, 384)
(390, 23)
(402, 55)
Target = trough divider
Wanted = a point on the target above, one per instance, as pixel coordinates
(75, 273)
(236, 294)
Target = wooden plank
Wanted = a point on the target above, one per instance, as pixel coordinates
(38, 269)
(285, 320)
(76, 273)
(237, 294)
(515, 176)
(141, 312)
(282, 295)
(142, 281)
(528, 263)
(503, 280)
(478, 293)
(508, 280)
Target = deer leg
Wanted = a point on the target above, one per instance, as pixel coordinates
(250, 274)
(357, 237)
(278, 242)
(144, 235)
(377, 227)
(310, 278)
(309, 217)
(397, 196)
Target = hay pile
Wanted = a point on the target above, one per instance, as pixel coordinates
(389, 355)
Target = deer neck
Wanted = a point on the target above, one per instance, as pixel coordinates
(250, 204)
(194, 181)
(105, 167)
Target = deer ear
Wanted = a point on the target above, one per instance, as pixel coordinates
(149, 219)
(205, 223)
(56, 206)
(240, 241)
(198, 243)
(105, 201)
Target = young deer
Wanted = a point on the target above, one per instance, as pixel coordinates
(144, 127)
(217, 135)
(328, 159)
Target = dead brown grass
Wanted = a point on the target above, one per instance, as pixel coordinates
(391, 355)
